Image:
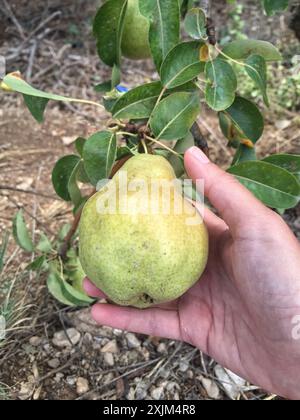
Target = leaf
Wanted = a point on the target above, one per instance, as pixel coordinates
(73, 188)
(3, 249)
(44, 244)
(82, 176)
(244, 154)
(76, 297)
(115, 76)
(61, 175)
(290, 163)
(174, 116)
(182, 64)
(138, 103)
(107, 28)
(99, 154)
(103, 87)
(195, 23)
(245, 118)
(79, 144)
(257, 69)
(38, 264)
(181, 147)
(36, 106)
(122, 152)
(273, 6)
(274, 186)
(54, 284)
(164, 17)
(222, 84)
(21, 233)
(243, 48)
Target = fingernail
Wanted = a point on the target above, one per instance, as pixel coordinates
(199, 155)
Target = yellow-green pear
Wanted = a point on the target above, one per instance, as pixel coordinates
(135, 40)
(141, 242)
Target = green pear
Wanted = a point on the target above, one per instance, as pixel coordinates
(135, 40)
(139, 252)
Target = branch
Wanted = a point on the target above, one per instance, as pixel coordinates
(200, 140)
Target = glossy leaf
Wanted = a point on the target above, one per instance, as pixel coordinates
(195, 23)
(103, 87)
(36, 106)
(44, 244)
(164, 17)
(174, 116)
(79, 144)
(289, 162)
(107, 27)
(138, 102)
(21, 233)
(244, 154)
(76, 297)
(54, 284)
(222, 84)
(274, 186)
(257, 70)
(181, 147)
(273, 6)
(99, 154)
(246, 119)
(243, 48)
(73, 188)
(40, 263)
(61, 175)
(182, 64)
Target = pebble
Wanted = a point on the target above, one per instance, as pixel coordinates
(211, 388)
(53, 363)
(110, 347)
(157, 393)
(82, 386)
(109, 359)
(162, 348)
(183, 366)
(132, 341)
(61, 340)
(35, 341)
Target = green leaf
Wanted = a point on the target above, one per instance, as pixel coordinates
(73, 189)
(44, 244)
(195, 23)
(274, 186)
(115, 76)
(64, 230)
(181, 147)
(174, 116)
(164, 17)
(122, 152)
(222, 84)
(257, 69)
(243, 48)
(108, 27)
(21, 233)
(99, 155)
(36, 106)
(61, 175)
(39, 264)
(103, 87)
(245, 118)
(290, 163)
(76, 297)
(244, 154)
(3, 249)
(182, 64)
(79, 144)
(55, 287)
(138, 103)
(273, 6)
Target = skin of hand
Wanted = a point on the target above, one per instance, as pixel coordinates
(243, 310)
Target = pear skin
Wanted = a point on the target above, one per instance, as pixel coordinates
(142, 255)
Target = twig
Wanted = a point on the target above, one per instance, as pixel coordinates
(31, 61)
(200, 140)
(59, 369)
(14, 19)
(32, 192)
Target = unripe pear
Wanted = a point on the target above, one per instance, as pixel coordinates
(139, 254)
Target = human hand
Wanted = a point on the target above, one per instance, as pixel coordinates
(241, 312)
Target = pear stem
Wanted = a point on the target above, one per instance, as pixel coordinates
(144, 146)
(164, 146)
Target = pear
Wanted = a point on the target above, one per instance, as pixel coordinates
(135, 41)
(137, 251)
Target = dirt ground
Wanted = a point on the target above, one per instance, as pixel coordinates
(57, 353)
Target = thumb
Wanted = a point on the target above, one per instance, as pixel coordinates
(233, 201)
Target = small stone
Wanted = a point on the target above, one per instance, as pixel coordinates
(87, 338)
(60, 338)
(132, 341)
(58, 377)
(110, 347)
(141, 391)
(35, 341)
(53, 363)
(67, 140)
(183, 366)
(109, 359)
(82, 386)
(71, 380)
(211, 388)
(157, 393)
(162, 348)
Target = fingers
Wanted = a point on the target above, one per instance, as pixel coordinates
(92, 290)
(154, 321)
(232, 200)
